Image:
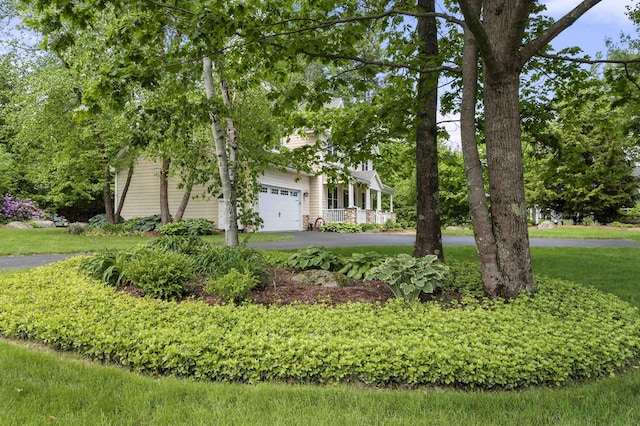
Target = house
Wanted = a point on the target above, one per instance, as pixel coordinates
(287, 200)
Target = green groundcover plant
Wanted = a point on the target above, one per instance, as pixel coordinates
(565, 332)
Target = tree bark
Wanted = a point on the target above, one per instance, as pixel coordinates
(480, 219)
(106, 176)
(165, 214)
(226, 165)
(185, 201)
(499, 37)
(428, 232)
(125, 190)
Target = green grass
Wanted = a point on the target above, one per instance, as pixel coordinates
(45, 388)
(57, 240)
(590, 232)
(42, 387)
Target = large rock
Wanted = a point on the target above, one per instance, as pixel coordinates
(322, 278)
(456, 228)
(18, 225)
(546, 225)
(43, 223)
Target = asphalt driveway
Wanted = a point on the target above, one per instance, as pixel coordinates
(329, 239)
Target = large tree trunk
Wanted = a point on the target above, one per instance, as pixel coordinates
(506, 182)
(428, 233)
(480, 219)
(165, 214)
(125, 190)
(227, 166)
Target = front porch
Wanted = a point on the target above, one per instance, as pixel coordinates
(355, 204)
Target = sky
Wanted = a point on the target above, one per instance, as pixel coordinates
(606, 20)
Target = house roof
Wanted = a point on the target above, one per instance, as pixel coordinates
(368, 177)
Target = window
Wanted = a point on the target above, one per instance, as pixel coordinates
(332, 198)
(284, 192)
(293, 193)
(275, 191)
(364, 166)
(330, 148)
(264, 189)
(345, 198)
(364, 200)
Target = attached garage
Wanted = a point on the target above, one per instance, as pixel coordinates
(279, 208)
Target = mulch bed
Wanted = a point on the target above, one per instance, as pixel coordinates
(282, 289)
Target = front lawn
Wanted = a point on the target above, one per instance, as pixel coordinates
(579, 232)
(38, 388)
(56, 240)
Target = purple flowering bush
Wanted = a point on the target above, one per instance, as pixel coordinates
(13, 208)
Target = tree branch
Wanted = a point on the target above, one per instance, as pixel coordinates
(473, 24)
(385, 14)
(588, 61)
(562, 24)
(170, 7)
(365, 61)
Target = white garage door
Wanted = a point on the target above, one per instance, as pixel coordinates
(279, 208)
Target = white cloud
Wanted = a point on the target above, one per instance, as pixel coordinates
(611, 12)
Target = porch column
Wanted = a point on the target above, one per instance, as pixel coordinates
(351, 196)
(367, 200)
(379, 201)
(391, 203)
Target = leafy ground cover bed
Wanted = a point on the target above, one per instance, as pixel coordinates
(565, 332)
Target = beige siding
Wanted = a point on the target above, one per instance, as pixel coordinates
(315, 205)
(143, 198)
(298, 140)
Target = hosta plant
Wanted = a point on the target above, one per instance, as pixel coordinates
(359, 264)
(315, 258)
(408, 276)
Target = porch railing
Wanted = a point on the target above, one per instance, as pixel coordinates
(333, 215)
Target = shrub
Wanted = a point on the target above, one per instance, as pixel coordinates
(221, 260)
(390, 225)
(100, 219)
(342, 228)
(107, 266)
(160, 274)
(234, 286)
(408, 276)
(192, 246)
(14, 208)
(369, 227)
(315, 258)
(359, 264)
(563, 333)
(191, 227)
(76, 230)
(145, 224)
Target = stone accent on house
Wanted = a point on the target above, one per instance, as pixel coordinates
(351, 215)
(305, 222)
(371, 216)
